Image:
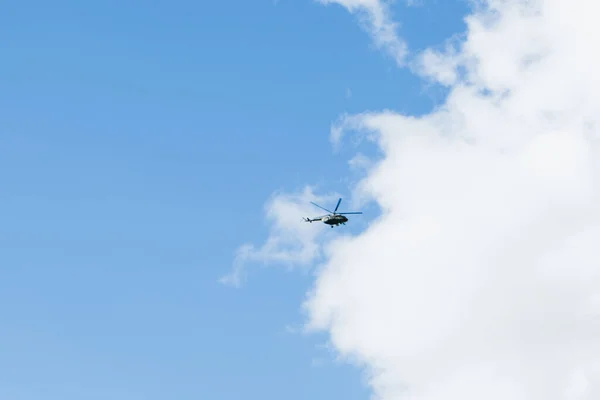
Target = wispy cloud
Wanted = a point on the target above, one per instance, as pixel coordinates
(374, 16)
(291, 242)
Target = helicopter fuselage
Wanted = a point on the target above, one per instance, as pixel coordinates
(335, 219)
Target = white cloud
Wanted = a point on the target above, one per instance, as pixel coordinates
(360, 162)
(481, 277)
(375, 19)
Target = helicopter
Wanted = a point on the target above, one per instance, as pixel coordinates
(334, 218)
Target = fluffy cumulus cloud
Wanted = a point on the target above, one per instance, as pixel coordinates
(481, 277)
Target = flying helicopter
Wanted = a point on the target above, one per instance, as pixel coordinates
(334, 218)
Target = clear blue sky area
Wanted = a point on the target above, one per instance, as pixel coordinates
(139, 141)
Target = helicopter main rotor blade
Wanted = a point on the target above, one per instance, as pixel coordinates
(338, 204)
(346, 213)
(323, 208)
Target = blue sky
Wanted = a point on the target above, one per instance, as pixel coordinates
(139, 142)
